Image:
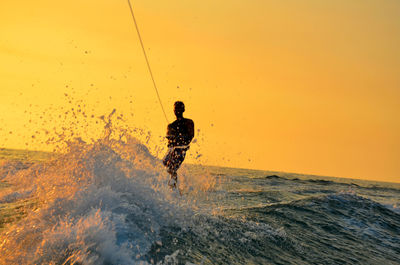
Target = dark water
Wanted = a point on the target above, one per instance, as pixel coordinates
(267, 219)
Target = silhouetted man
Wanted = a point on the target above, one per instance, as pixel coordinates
(179, 134)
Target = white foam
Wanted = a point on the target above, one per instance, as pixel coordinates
(95, 204)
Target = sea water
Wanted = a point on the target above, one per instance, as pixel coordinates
(108, 202)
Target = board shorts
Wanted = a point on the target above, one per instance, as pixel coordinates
(174, 158)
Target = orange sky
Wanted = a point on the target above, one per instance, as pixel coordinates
(298, 86)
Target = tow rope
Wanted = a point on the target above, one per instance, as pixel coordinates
(147, 60)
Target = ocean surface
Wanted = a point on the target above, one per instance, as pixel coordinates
(109, 203)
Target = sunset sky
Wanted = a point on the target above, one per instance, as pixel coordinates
(303, 86)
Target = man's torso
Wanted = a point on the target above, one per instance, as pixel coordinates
(180, 132)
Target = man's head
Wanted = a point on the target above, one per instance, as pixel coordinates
(179, 108)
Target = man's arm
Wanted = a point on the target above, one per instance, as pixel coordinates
(170, 132)
(171, 135)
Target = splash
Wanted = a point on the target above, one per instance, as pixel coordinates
(93, 202)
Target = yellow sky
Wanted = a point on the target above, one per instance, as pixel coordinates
(300, 85)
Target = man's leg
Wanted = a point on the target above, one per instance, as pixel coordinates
(168, 157)
(175, 161)
(173, 181)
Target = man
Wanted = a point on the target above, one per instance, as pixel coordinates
(179, 134)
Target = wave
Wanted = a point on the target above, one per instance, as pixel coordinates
(98, 203)
(342, 200)
(323, 182)
(337, 223)
(323, 229)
